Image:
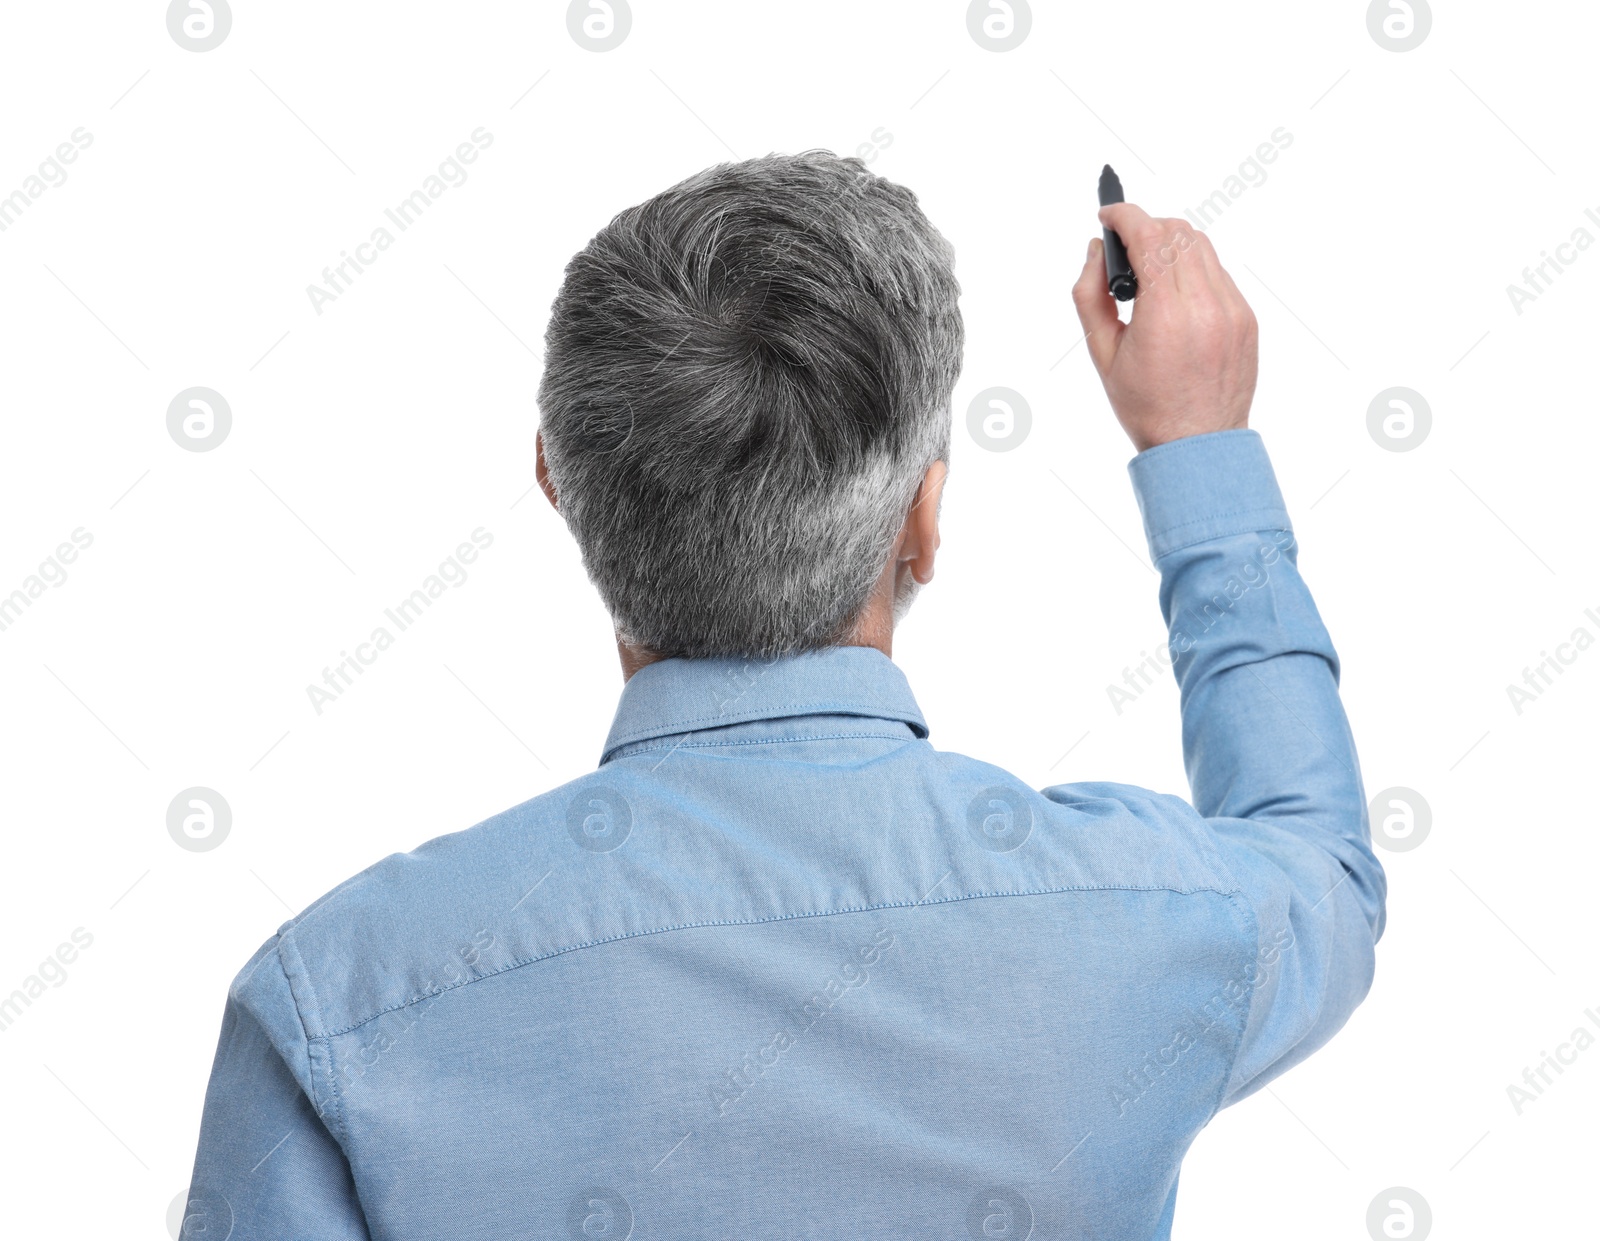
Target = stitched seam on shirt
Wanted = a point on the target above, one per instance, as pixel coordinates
(1232, 512)
(335, 1104)
(1169, 531)
(1253, 926)
(819, 913)
(702, 745)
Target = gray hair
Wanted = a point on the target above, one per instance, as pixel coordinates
(746, 378)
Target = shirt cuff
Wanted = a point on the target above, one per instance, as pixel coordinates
(1205, 487)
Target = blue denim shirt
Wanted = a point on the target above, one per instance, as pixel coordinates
(780, 968)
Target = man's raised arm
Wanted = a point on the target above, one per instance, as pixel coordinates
(1271, 762)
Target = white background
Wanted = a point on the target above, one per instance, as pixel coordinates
(369, 440)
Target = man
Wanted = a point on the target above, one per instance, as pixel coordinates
(778, 967)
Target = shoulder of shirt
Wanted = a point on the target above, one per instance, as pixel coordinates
(408, 927)
(468, 905)
(1151, 835)
(1099, 833)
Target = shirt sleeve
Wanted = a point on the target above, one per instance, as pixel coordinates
(268, 1166)
(1270, 758)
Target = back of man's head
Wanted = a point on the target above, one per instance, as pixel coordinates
(746, 378)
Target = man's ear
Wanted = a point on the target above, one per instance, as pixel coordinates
(542, 472)
(919, 538)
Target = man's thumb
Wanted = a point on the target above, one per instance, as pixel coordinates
(1097, 309)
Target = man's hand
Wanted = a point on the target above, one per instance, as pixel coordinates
(1186, 363)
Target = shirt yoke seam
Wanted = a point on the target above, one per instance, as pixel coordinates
(819, 913)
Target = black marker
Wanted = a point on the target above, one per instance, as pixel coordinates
(1124, 285)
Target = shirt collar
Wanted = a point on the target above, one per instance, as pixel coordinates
(684, 695)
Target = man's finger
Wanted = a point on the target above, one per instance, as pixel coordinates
(1128, 220)
(1221, 281)
(1097, 309)
(1152, 247)
(1205, 255)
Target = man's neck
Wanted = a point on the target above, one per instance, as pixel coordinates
(875, 628)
